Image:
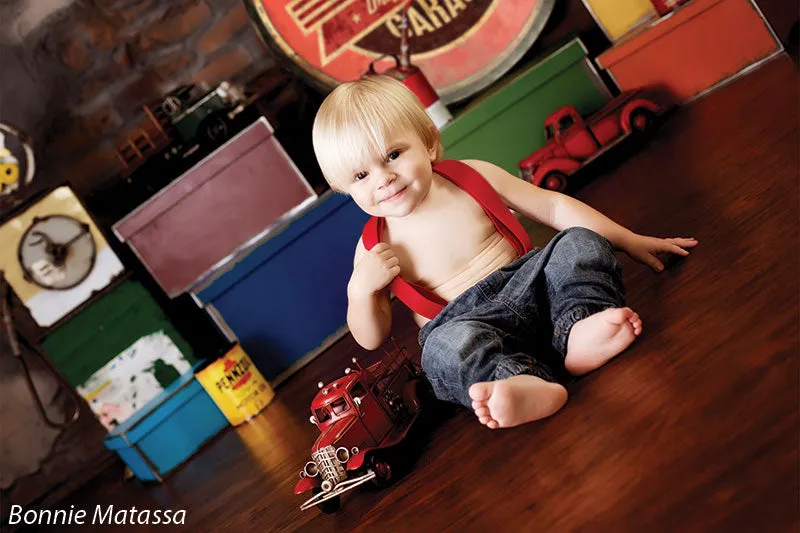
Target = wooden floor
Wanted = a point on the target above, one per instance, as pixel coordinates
(694, 428)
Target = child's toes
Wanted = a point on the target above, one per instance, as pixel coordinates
(636, 323)
(478, 404)
(492, 424)
(480, 392)
(485, 420)
(482, 412)
(619, 315)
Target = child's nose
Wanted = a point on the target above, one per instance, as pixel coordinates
(387, 178)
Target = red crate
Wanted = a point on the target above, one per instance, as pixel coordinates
(695, 48)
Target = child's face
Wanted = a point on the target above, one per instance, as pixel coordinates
(395, 184)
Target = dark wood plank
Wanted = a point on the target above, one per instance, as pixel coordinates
(692, 429)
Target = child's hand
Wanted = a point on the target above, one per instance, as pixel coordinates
(644, 249)
(376, 269)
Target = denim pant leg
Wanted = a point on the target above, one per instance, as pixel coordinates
(487, 333)
(583, 277)
(462, 352)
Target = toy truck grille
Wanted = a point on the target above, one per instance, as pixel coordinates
(329, 466)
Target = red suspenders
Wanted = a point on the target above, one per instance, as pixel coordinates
(419, 299)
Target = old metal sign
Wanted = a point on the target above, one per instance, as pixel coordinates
(461, 45)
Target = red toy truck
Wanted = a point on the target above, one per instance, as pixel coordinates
(359, 416)
(573, 141)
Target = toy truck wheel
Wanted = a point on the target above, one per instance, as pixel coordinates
(555, 181)
(642, 120)
(383, 472)
(328, 506)
(213, 130)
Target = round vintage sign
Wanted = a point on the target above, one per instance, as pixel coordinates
(461, 45)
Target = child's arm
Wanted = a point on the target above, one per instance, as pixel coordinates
(560, 212)
(369, 314)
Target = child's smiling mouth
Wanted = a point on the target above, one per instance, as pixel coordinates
(393, 197)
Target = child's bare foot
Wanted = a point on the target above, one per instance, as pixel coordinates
(516, 400)
(599, 337)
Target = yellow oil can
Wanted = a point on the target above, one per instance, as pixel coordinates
(236, 386)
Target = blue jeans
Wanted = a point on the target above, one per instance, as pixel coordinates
(517, 319)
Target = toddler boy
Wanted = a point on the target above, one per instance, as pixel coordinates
(443, 241)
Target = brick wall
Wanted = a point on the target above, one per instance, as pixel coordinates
(77, 79)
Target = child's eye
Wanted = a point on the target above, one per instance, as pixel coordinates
(393, 155)
(359, 176)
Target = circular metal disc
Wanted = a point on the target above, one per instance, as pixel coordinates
(462, 46)
(43, 269)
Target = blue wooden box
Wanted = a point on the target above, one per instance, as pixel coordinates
(285, 300)
(168, 430)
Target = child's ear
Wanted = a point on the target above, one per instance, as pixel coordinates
(433, 150)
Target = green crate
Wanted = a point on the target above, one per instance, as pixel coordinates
(506, 125)
(104, 329)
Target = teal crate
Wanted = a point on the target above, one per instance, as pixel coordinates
(506, 125)
(168, 430)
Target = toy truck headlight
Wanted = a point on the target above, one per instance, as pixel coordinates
(311, 469)
(342, 455)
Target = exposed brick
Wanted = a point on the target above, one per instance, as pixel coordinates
(75, 54)
(91, 168)
(177, 25)
(175, 67)
(100, 33)
(266, 81)
(124, 56)
(224, 66)
(98, 41)
(259, 44)
(145, 88)
(83, 132)
(223, 31)
(140, 123)
(133, 12)
(263, 57)
(100, 80)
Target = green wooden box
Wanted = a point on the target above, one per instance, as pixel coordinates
(105, 328)
(506, 125)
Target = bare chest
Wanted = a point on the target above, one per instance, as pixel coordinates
(451, 250)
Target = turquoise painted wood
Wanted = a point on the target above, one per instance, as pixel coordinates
(506, 125)
(168, 430)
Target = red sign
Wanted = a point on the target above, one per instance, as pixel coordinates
(461, 45)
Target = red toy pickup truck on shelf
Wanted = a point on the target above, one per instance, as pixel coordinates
(359, 416)
(573, 141)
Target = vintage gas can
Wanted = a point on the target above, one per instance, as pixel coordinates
(236, 386)
(413, 78)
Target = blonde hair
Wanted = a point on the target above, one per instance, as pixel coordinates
(357, 118)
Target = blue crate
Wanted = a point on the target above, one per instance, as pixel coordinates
(168, 430)
(287, 297)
